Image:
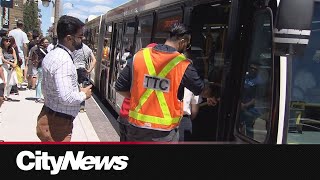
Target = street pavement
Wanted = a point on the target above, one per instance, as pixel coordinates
(18, 121)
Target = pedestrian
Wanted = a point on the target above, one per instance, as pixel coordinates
(124, 112)
(82, 57)
(159, 75)
(2, 84)
(9, 59)
(37, 58)
(15, 88)
(61, 91)
(32, 70)
(22, 42)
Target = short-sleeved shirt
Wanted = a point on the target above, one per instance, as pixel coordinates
(188, 99)
(82, 56)
(20, 37)
(190, 80)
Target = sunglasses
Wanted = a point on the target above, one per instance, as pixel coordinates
(7, 40)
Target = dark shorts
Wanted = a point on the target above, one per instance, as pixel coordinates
(1, 89)
(51, 127)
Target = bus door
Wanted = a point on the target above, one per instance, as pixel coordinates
(209, 24)
(105, 60)
(126, 51)
(259, 82)
(115, 65)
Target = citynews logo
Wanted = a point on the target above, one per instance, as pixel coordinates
(27, 161)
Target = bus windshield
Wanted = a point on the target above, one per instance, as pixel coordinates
(304, 116)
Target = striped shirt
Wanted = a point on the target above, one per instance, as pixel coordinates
(60, 87)
(82, 56)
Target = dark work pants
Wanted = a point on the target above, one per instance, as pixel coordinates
(185, 129)
(123, 126)
(142, 134)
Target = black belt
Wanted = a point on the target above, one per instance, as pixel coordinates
(59, 114)
(186, 115)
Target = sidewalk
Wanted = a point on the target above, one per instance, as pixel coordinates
(18, 121)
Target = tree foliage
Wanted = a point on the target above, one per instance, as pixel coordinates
(30, 17)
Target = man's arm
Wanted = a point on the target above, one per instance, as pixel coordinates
(93, 62)
(123, 83)
(25, 52)
(63, 81)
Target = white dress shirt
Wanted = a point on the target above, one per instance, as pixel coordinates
(60, 87)
(188, 99)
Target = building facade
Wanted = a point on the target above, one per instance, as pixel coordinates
(10, 15)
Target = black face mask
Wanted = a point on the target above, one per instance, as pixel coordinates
(77, 46)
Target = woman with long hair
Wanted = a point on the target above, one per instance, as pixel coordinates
(9, 59)
(19, 63)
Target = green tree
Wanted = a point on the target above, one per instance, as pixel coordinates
(30, 16)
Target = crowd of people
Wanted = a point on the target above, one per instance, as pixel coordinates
(20, 62)
(23, 66)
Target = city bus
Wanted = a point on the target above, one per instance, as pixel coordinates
(263, 56)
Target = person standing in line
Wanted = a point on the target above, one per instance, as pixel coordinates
(22, 42)
(159, 76)
(82, 57)
(190, 111)
(61, 91)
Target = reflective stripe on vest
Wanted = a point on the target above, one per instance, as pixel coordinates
(167, 120)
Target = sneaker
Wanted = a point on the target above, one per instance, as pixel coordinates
(40, 100)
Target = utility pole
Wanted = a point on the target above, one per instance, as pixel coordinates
(56, 16)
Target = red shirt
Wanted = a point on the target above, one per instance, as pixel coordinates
(124, 111)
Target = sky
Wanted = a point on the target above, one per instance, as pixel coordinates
(81, 9)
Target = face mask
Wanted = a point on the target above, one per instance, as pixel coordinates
(76, 45)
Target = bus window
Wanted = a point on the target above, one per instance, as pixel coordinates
(256, 96)
(144, 31)
(165, 20)
(303, 125)
(95, 41)
(127, 43)
(106, 44)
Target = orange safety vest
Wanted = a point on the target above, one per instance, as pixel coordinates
(106, 52)
(156, 78)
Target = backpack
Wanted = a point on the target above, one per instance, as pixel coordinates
(37, 57)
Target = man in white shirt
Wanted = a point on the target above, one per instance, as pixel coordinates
(190, 111)
(21, 41)
(61, 91)
(81, 60)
